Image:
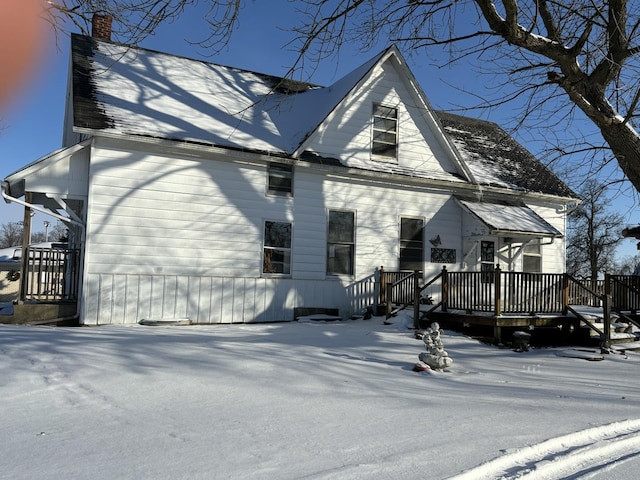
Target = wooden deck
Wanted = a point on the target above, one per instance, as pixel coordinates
(515, 300)
(546, 329)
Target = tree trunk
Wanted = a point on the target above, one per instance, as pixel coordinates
(625, 145)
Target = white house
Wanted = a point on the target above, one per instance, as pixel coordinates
(221, 195)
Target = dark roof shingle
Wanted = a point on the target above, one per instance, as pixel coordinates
(496, 159)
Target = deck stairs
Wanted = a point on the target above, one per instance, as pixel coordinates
(624, 326)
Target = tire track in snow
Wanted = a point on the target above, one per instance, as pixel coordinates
(567, 456)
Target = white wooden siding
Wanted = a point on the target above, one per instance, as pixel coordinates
(173, 237)
(347, 132)
(553, 252)
(125, 298)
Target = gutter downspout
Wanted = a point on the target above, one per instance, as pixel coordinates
(8, 198)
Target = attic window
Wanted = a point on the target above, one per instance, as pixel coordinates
(280, 179)
(384, 142)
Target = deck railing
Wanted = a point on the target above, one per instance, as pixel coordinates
(501, 292)
(363, 293)
(586, 292)
(50, 274)
(624, 291)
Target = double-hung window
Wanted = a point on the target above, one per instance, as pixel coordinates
(276, 257)
(532, 257)
(411, 243)
(341, 242)
(384, 143)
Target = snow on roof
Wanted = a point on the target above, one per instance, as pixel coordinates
(510, 219)
(496, 159)
(123, 90)
(120, 89)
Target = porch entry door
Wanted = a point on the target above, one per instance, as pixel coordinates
(487, 260)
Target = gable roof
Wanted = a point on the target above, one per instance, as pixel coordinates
(123, 90)
(496, 159)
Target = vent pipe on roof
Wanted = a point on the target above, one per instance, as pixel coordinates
(101, 26)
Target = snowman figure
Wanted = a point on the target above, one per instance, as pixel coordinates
(436, 357)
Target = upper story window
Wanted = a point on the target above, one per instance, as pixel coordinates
(384, 144)
(280, 179)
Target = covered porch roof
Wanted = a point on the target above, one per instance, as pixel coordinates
(507, 220)
(54, 183)
(63, 172)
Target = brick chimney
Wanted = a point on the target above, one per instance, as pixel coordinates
(101, 26)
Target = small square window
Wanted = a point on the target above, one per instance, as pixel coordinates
(443, 255)
(280, 179)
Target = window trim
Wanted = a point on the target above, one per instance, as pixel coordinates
(270, 247)
(374, 115)
(352, 244)
(282, 170)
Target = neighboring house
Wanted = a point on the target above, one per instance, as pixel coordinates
(222, 195)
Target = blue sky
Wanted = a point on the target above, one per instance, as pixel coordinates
(31, 126)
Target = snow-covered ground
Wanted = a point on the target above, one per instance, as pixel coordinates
(314, 400)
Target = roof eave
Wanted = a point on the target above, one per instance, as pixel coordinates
(525, 234)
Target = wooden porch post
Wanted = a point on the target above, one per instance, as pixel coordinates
(606, 307)
(383, 286)
(606, 311)
(497, 305)
(388, 300)
(26, 241)
(497, 280)
(445, 289)
(565, 293)
(416, 300)
(607, 286)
